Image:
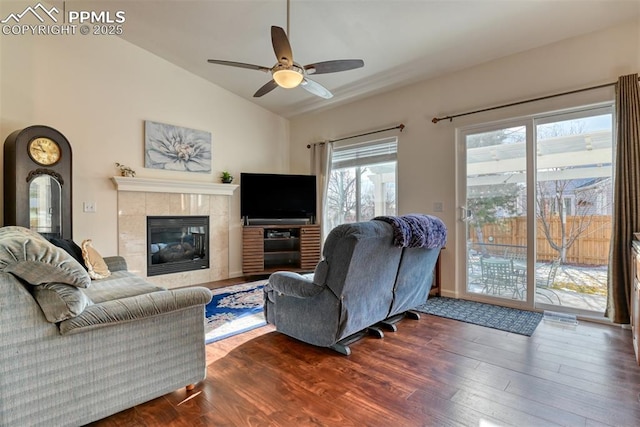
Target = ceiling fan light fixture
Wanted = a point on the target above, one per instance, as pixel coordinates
(288, 78)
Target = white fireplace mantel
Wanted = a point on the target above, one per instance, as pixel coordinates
(155, 185)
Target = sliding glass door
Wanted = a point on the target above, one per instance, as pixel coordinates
(536, 210)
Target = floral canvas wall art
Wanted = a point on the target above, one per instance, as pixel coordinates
(176, 148)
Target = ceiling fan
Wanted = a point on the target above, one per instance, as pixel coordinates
(289, 74)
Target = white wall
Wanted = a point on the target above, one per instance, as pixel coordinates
(427, 151)
(98, 90)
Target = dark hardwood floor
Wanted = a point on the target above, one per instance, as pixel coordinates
(432, 372)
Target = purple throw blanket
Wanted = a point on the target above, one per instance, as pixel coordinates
(416, 230)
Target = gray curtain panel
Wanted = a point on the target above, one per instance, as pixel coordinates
(321, 154)
(626, 212)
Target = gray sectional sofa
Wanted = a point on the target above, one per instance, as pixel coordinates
(368, 275)
(74, 350)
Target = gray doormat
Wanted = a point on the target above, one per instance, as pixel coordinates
(492, 316)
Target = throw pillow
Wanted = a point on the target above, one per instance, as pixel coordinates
(59, 301)
(29, 256)
(96, 267)
(71, 247)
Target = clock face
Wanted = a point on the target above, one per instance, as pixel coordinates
(44, 151)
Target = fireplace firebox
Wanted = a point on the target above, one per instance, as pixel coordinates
(177, 243)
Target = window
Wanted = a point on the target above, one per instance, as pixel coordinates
(362, 184)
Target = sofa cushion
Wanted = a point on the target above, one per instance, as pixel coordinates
(121, 284)
(29, 256)
(59, 301)
(96, 266)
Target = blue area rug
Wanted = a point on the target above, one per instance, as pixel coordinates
(492, 316)
(233, 310)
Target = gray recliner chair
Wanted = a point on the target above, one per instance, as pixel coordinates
(362, 280)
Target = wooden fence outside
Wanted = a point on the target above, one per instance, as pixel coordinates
(591, 248)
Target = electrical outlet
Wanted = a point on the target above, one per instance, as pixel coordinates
(438, 207)
(89, 207)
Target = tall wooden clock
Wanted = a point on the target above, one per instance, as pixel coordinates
(37, 181)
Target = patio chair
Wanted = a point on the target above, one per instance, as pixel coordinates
(516, 253)
(498, 275)
(545, 282)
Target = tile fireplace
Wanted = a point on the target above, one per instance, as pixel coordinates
(141, 198)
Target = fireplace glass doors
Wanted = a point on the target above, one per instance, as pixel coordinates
(177, 243)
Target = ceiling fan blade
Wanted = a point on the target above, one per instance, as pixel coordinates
(281, 45)
(315, 88)
(334, 66)
(239, 65)
(266, 89)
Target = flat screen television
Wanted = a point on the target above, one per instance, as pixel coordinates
(277, 197)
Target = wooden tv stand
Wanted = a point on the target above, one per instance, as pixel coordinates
(269, 248)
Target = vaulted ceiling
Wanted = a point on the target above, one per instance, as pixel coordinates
(400, 41)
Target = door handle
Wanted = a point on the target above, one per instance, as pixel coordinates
(464, 214)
